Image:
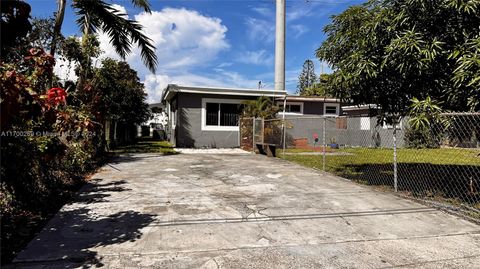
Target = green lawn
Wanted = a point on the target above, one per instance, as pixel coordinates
(359, 156)
(146, 146)
(447, 174)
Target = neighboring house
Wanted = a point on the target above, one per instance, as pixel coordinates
(157, 122)
(368, 131)
(304, 106)
(208, 117)
(359, 110)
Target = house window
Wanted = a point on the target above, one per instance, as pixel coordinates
(331, 109)
(212, 114)
(292, 108)
(221, 115)
(229, 114)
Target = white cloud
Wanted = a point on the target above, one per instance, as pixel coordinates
(298, 29)
(259, 30)
(184, 40)
(224, 64)
(65, 70)
(155, 84)
(299, 12)
(261, 57)
(120, 9)
(264, 11)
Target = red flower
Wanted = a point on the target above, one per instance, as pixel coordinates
(36, 51)
(57, 96)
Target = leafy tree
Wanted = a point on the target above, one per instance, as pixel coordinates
(97, 14)
(425, 125)
(387, 52)
(307, 78)
(263, 107)
(14, 23)
(118, 94)
(320, 88)
(42, 32)
(423, 113)
(74, 51)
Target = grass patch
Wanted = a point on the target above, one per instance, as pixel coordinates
(146, 146)
(360, 156)
(448, 175)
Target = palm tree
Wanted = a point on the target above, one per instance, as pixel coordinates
(263, 107)
(94, 15)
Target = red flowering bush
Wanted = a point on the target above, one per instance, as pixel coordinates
(46, 145)
(57, 96)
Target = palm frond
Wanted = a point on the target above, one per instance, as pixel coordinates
(122, 32)
(142, 4)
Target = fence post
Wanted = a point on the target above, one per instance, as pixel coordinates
(263, 130)
(284, 128)
(324, 141)
(395, 175)
(253, 135)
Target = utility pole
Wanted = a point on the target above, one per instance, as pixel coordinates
(280, 46)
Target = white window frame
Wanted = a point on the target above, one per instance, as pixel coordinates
(206, 127)
(291, 103)
(331, 104)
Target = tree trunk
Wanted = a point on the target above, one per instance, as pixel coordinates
(58, 25)
(115, 133)
(84, 65)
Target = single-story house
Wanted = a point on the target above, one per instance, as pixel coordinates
(359, 110)
(208, 117)
(156, 124)
(307, 106)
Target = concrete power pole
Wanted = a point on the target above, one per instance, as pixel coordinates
(280, 46)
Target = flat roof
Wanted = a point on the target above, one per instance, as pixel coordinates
(172, 89)
(310, 99)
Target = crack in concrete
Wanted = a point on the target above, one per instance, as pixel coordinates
(156, 253)
(218, 265)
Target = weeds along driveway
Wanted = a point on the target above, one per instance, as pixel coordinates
(243, 211)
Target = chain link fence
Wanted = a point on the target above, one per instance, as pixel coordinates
(436, 161)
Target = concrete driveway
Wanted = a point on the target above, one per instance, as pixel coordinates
(243, 211)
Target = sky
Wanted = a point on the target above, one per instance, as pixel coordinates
(224, 43)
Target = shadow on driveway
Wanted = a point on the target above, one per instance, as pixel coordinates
(74, 232)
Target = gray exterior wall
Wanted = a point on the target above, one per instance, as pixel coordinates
(377, 136)
(353, 136)
(310, 109)
(316, 108)
(189, 131)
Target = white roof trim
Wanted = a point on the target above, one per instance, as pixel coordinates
(358, 107)
(294, 98)
(173, 88)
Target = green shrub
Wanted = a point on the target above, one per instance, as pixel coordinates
(422, 138)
